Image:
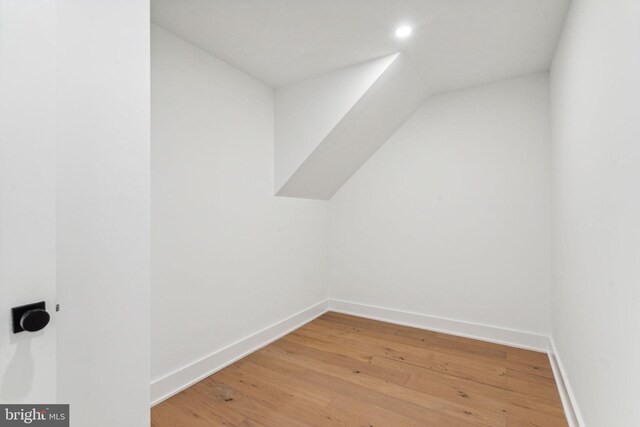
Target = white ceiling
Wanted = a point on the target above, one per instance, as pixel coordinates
(455, 43)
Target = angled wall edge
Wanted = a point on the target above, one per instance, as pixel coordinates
(317, 151)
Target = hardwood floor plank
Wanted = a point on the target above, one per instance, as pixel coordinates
(388, 388)
(296, 404)
(482, 396)
(396, 376)
(481, 369)
(419, 335)
(542, 370)
(319, 397)
(264, 408)
(360, 414)
(434, 344)
(528, 357)
(540, 387)
(341, 370)
(192, 407)
(356, 391)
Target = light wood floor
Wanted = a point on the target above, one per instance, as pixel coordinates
(342, 370)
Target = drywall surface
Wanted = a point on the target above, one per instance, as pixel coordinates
(228, 257)
(308, 110)
(595, 100)
(381, 110)
(451, 216)
(103, 211)
(27, 195)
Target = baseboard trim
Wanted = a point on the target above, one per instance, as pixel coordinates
(173, 383)
(498, 335)
(569, 402)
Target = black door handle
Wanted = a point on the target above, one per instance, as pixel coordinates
(30, 317)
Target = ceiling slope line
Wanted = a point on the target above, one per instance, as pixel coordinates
(307, 111)
(320, 167)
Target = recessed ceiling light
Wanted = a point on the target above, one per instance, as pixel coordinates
(403, 31)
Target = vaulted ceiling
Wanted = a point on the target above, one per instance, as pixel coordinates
(455, 44)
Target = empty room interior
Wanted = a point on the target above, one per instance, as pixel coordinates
(321, 213)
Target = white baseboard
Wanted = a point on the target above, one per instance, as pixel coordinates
(510, 337)
(569, 402)
(175, 382)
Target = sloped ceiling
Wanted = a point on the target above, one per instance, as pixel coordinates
(344, 83)
(455, 44)
(308, 111)
(312, 164)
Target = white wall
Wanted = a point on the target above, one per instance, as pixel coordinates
(595, 82)
(27, 195)
(228, 258)
(451, 216)
(103, 211)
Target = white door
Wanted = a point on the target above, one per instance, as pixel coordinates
(27, 195)
(74, 205)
